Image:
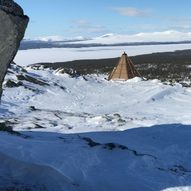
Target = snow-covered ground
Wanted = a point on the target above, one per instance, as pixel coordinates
(31, 56)
(95, 104)
(165, 36)
(92, 134)
(111, 38)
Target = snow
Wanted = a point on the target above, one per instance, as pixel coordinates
(89, 134)
(95, 104)
(110, 38)
(186, 188)
(152, 150)
(27, 57)
(67, 162)
(165, 36)
(55, 38)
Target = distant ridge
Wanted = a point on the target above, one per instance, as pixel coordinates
(36, 44)
(110, 39)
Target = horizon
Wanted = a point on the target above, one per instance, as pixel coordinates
(113, 38)
(96, 18)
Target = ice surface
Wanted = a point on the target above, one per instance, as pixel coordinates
(27, 57)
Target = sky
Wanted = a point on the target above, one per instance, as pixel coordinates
(91, 18)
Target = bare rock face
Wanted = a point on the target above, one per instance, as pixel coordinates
(13, 24)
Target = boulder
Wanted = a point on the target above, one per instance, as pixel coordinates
(13, 24)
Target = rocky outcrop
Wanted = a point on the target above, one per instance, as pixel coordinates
(13, 24)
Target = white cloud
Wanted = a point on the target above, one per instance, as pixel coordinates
(82, 23)
(181, 24)
(131, 11)
(85, 26)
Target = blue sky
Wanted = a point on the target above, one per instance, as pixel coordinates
(89, 18)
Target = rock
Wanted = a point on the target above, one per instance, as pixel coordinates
(13, 24)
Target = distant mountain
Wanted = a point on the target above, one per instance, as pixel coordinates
(56, 39)
(166, 36)
(155, 38)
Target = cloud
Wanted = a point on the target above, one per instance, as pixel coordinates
(82, 23)
(80, 26)
(131, 11)
(178, 23)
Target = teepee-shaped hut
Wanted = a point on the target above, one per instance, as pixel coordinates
(124, 70)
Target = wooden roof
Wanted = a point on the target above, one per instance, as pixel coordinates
(124, 70)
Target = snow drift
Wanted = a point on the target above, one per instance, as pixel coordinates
(87, 133)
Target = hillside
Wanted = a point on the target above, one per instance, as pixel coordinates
(76, 131)
(86, 133)
(168, 66)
